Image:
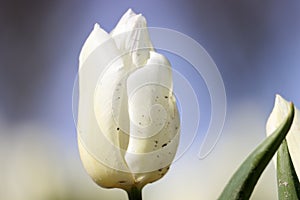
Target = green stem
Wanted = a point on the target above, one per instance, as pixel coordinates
(135, 194)
(287, 180)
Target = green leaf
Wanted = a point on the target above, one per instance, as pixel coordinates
(287, 180)
(245, 178)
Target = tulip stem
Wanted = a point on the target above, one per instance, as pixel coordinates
(135, 194)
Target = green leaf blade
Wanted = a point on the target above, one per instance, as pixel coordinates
(245, 178)
(287, 180)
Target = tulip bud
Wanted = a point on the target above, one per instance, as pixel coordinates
(277, 116)
(128, 122)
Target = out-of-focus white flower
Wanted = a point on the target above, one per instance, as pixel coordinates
(277, 116)
(128, 123)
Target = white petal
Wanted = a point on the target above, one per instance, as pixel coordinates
(154, 120)
(110, 105)
(97, 37)
(132, 38)
(124, 20)
(98, 142)
(277, 116)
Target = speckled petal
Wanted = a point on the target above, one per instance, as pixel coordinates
(154, 120)
(132, 38)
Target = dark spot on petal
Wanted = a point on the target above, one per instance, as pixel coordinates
(122, 182)
(165, 144)
(118, 128)
(156, 141)
(157, 156)
(160, 169)
(166, 97)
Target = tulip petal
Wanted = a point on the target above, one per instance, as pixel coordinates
(132, 38)
(154, 120)
(114, 109)
(278, 114)
(293, 138)
(97, 37)
(97, 134)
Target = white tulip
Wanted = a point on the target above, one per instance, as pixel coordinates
(128, 123)
(277, 116)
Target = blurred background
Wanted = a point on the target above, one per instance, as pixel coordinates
(255, 44)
